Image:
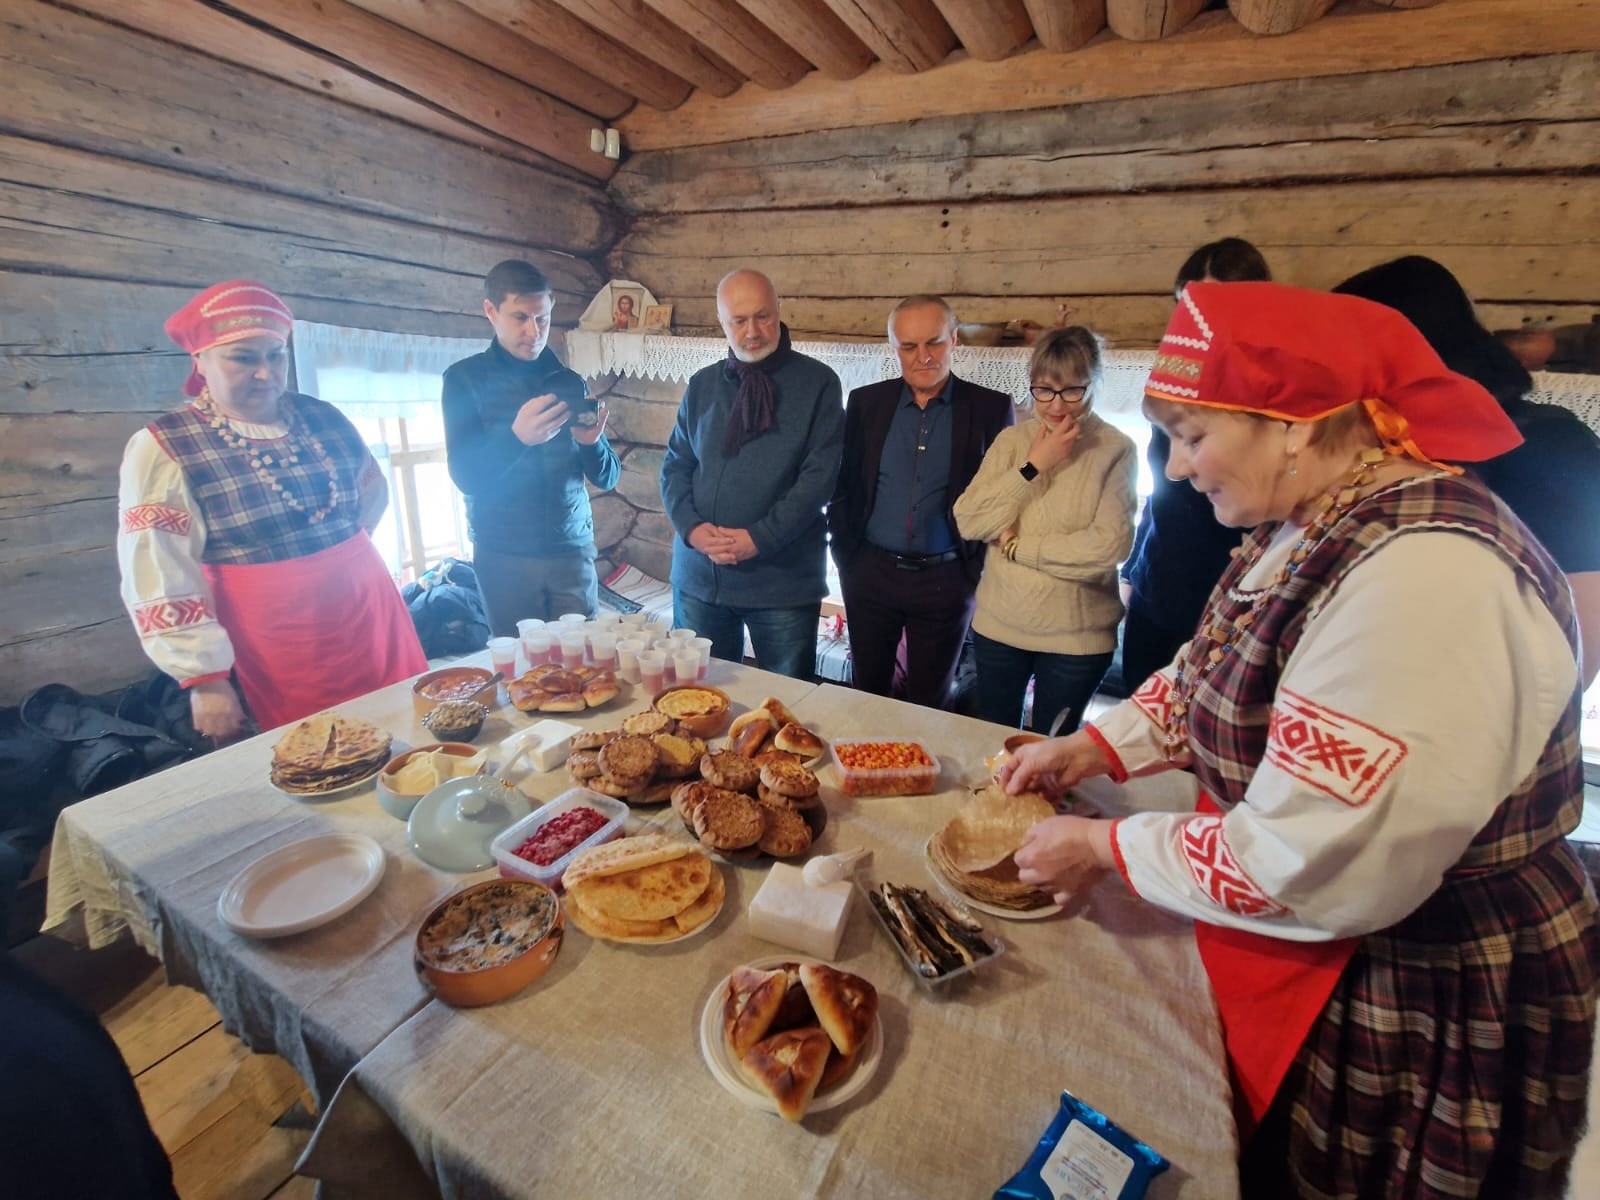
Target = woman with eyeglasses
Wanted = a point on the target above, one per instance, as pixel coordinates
(1055, 498)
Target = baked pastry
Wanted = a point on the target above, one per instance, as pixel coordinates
(727, 769)
(750, 731)
(752, 1003)
(590, 739)
(650, 888)
(583, 764)
(846, 1005)
(563, 702)
(629, 759)
(624, 854)
(649, 723)
(542, 672)
(687, 797)
(728, 821)
(789, 779)
(788, 1067)
(781, 715)
(600, 690)
(705, 908)
(651, 893)
(658, 792)
(616, 788)
(778, 800)
(679, 754)
(777, 756)
(786, 833)
(797, 739)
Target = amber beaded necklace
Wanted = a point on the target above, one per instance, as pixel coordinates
(1332, 508)
(261, 460)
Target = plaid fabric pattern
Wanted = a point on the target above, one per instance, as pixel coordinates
(246, 521)
(1452, 1059)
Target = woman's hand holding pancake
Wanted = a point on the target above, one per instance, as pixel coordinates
(1065, 854)
(1053, 765)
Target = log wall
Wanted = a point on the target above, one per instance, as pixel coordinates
(134, 172)
(1487, 166)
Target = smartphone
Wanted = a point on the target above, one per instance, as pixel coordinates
(574, 393)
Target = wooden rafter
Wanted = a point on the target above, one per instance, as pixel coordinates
(1066, 24)
(657, 38)
(554, 27)
(1277, 16)
(908, 35)
(733, 33)
(453, 24)
(988, 29)
(1149, 20)
(816, 33)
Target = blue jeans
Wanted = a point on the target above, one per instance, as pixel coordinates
(785, 639)
(1060, 681)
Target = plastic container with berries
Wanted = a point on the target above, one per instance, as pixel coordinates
(884, 767)
(540, 846)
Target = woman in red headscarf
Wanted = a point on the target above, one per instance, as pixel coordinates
(1380, 707)
(243, 524)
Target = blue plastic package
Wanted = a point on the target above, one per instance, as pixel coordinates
(1084, 1155)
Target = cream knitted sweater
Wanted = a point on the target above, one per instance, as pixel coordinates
(1074, 526)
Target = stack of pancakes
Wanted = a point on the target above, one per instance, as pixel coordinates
(741, 807)
(797, 1028)
(327, 752)
(643, 889)
(975, 850)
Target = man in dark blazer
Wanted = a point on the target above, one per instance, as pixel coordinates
(911, 446)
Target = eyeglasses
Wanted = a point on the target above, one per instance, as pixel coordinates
(1071, 395)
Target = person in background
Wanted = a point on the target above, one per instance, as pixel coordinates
(243, 521)
(1380, 707)
(519, 452)
(1180, 549)
(911, 446)
(750, 465)
(1552, 480)
(1055, 498)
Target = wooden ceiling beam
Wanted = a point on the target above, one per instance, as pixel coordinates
(988, 29)
(816, 33)
(745, 42)
(551, 26)
(1150, 20)
(1064, 25)
(458, 27)
(908, 35)
(428, 70)
(657, 38)
(1277, 16)
(1215, 51)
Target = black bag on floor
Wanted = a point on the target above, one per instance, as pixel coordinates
(448, 611)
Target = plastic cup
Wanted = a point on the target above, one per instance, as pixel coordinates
(572, 618)
(628, 651)
(704, 646)
(572, 650)
(636, 620)
(603, 646)
(681, 635)
(537, 645)
(607, 619)
(686, 662)
(652, 670)
(503, 654)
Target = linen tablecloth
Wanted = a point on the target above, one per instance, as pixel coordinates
(592, 1083)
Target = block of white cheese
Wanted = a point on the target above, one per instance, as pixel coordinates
(793, 913)
(547, 742)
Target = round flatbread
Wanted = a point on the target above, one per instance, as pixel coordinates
(729, 821)
(726, 769)
(989, 827)
(649, 723)
(651, 893)
(778, 800)
(583, 764)
(629, 759)
(625, 854)
(679, 753)
(592, 739)
(786, 833)
(790, 779)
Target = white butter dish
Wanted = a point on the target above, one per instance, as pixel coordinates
(547, 743)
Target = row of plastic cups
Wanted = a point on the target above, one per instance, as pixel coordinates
(606, 644)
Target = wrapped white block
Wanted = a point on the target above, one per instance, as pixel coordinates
(547, 742)
(793, 913)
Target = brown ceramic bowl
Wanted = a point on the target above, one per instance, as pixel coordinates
(1018, 740)
(465, 980)
(399, 804)
(450, 683)
(707, 714)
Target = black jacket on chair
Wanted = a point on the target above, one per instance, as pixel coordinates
(980, 414)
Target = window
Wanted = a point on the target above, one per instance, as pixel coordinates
(388, 385)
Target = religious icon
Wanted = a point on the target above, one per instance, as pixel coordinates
(657, 318)
(625, 310)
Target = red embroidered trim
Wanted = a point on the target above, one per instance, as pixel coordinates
(1217, 872)
(1119, 773)
(162, 616)
(1330, 751)
(1116, 854)
(198, 679)
(156, 516)
(1154, 698)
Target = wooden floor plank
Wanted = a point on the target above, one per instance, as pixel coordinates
(155, 1021)
(298, 1188)
(191, 1090)
(237, 1158)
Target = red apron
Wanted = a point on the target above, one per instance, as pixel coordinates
(314, 631)
(1269, 992)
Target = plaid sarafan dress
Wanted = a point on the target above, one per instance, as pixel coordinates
(1451, 1059)
(1452, 1053)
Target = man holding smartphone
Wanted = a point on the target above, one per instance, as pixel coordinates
(521, 437)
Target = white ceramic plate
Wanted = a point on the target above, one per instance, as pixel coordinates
(994, 910)
(725, 1068)
(338, 793)
(301, 885)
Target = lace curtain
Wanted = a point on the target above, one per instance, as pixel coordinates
(1004, 368)
(367, 373)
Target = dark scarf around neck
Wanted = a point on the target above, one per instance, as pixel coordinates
(755, 407)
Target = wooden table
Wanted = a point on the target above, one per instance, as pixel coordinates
(591, 1083)
(153, 857)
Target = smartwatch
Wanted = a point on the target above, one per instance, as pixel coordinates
(1028, 471)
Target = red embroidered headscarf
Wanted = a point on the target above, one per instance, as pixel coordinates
(227, 312)
(1299, 355)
